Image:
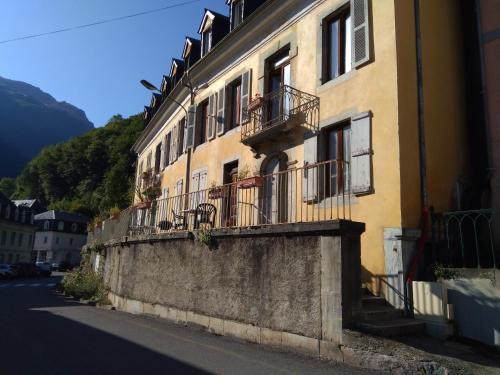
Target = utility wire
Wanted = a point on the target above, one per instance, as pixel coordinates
(109, 20)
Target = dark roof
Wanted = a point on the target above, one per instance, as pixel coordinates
(60, 215)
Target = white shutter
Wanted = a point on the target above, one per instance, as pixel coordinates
(220, 111)
(211, 116)
(246, 84)
(195, 187)
(361, 166)
(171, 148)
(163, 150)
(178, 187)
(360, 32)
(191, 127)
(310, 180)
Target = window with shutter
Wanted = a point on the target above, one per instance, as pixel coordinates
(191, 124)
(178, 197)
(246, 83)
(175, 136)
(181, 146)
(361, 164)
(163, 149)
(310, 178)
(336, 44)
(167, 150)
(220, 111)
(211, 117)
(360, 31)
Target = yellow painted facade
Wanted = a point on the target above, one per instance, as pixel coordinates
(386, 86)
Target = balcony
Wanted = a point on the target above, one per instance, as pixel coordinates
(278, 112)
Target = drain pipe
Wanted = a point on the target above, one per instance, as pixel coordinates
(424, 197)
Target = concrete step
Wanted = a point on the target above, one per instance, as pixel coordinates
(394, 327)
(368, 301)
(373, 313)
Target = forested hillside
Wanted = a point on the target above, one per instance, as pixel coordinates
(88, 174)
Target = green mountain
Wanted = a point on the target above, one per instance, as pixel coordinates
(87, 174)
(31, 119)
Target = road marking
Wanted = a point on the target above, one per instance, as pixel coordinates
(19, 285)
(50, 285)
(36, 284)
(4, 285)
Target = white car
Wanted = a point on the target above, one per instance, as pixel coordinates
(6, 271)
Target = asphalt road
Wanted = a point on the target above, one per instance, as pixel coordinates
(43, 333)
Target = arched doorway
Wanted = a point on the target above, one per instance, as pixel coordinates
(274, 190)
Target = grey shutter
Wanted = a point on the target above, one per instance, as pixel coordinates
(360, 32)
(163, 149)
(310, 180)
(191, 127)
(211, 117)
(361, 166)
(171, 148)
(246, 84)
(180, 142)
(220, 111)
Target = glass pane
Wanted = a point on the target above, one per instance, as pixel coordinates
(332, 155)
(333, 32)
(286, 97)
(347, 155)
(348, 43)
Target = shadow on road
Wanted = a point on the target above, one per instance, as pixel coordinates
(34, 341)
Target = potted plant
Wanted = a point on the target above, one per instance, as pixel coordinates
(114, 213)
(215, 191)
(256, 102)
(97, 222)
(245, 181)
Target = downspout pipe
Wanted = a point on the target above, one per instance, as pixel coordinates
(424, 196)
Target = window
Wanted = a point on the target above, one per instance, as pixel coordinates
(57, 240)
(336, 44)
(7, 212)
(168, 139)
(181, 147)
(16, 215)
(60, 226)
(74, 227)
(234, 93)
(12, 238)
(148, 161)
(337, 146)
(157, 158)
(199, 184)
(20, 240)
(206, 41)
(202, 130)
(236, 13)
(45, 239)
(46, 225)
(3, 241)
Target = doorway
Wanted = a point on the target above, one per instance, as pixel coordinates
(230, 199)
(274, 190)
(278, 76)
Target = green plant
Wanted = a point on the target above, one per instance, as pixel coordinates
(243, 173)
(204, 237)
(441, 272)
(114, 211)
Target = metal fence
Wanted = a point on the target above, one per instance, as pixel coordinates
(465, 238)
(281, 106)
(317, 192)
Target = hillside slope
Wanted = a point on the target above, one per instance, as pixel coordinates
(31, 119)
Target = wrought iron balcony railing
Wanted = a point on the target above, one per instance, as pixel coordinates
(279, 111)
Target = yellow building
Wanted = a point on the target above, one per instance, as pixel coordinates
(319, 99)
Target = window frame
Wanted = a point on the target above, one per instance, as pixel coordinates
(233, 119)
(234, 5)
(341, 14)
(202, 123)
(207, 41)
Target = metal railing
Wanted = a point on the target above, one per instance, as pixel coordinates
(316, 192)
(281, 106)
(465, 238)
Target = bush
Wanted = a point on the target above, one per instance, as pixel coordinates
(83, 283)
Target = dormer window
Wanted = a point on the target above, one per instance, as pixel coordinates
(46, 225)
(236, 13)
(206, 41)
(60, 226)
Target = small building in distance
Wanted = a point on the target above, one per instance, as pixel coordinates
(59, 237)
(17, 231)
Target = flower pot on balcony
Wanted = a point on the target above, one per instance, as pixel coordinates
(251, 182)
(216, 192)
(255, 103)
(143, 205)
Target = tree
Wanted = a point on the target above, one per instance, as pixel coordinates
(7, 186)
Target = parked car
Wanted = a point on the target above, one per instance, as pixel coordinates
(6, 271)
(45, 268)
(26, 270)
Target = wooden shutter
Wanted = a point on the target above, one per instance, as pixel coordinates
(221, 97)
(361, 166)
(246, 84)
(360, 32)
(162, 159)
(175, 142)
(191, 127)
(167, 148)
(310, 180)
(211, 116)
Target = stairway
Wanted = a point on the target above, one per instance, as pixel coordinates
(380, 319)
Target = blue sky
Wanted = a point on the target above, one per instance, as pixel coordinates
(97, 69)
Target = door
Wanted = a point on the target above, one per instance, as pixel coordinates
(230, 198)
(279, 75)
(274, 193)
